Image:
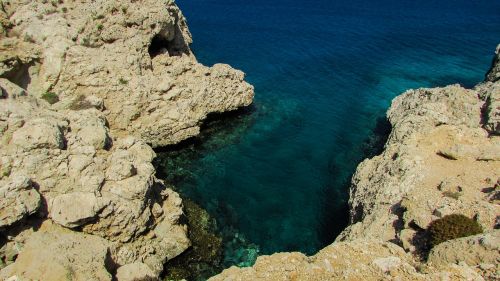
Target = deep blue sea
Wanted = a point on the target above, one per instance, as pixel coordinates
(276, 177)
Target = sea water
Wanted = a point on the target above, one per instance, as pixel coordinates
(276, 177)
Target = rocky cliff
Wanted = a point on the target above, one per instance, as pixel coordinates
(87, 87)
(442, 157)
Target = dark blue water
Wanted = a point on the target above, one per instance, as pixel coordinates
(323, 72)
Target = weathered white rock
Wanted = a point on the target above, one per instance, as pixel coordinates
(134, 272)
(87, 153)
(106, 193)
(157, 92)
(473, 250)
(402, 187)
(74, 209)
(10, 89)
(53, 253)
(37, 133)
(100, 58)
(18, 200)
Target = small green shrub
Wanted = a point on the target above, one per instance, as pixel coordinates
(100, 27)
(123, 81)
(451, 227)
(50, 97)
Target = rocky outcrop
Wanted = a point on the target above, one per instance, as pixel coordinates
(133, 55)
(441, 158)
(135, 271)
(87, 88)
(357, 260)
(61, 165)
(491, 109)
(437, 161)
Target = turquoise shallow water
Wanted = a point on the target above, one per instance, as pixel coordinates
(275, 177)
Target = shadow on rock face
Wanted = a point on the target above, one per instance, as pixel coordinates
(374, 144)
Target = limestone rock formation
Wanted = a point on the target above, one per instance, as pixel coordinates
(441, 158)
(87, 88)
(108, 192)
(134, 55)
(134, 271)
(492, 98)
(19, 200)
(357, 260)
(481, 251)
(437, 161)
(55, 253)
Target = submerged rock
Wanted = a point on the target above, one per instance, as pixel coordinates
(204, 258)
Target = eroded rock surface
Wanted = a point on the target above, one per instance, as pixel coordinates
(134, 55)
(81, 183)
(87, 87)
(55, 253)
(19, 200)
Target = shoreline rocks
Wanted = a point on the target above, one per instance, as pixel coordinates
(87, 88)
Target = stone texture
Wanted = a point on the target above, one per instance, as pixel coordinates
(74, 209)
(472, 250)
(357, 260)
(19, 200)
(492, 110)
(101, 187)
(436, 136)
(134, 272)
(492, 106)
(125, 79)
(53, 253)
(134, 56)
